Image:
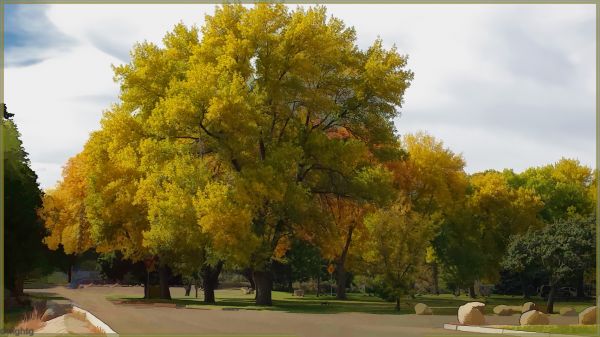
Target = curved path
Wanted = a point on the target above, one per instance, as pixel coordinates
(132, 319)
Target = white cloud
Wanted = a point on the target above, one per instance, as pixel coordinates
(50, 105)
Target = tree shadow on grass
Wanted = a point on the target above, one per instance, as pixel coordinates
(293, 305)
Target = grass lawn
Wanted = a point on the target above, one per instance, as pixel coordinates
(586, 330)
(230, 299)
(446, 304)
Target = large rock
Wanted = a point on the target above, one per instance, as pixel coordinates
(423, 309)
(471, 314)
(503, 310)
(588, 316)
(528, 307)
(49, 314)
(534, 317)
(479, 306)
(568, 311)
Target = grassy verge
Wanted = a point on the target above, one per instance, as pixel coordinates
(233, 299)
(583, 330)
(228, 299)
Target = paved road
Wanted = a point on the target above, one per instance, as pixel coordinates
(130, 319)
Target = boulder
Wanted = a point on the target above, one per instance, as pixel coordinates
(588, 316)
(529, 306)
(471, 314)
(423, 309)
(299, 292)
(568, 311)
(503, 310)
(534, 317)
(479, 306)
(49, 314)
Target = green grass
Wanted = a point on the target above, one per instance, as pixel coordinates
(585, 330)
(445, 304)
(282, 301)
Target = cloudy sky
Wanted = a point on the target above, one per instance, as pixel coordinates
(508, 86)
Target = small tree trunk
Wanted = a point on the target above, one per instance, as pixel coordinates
(147, 285)
(196, 286)
(163, 277)
(209, 295)
(340, 278)
(397, 303)
(524, 286)
(550, 303)
(318, 285)
(19, 281)
(472, 291)
(264, 284)
(247, 272)
(341, 270)
(188, 288)
(435, 274)
(580, 284)
(70, 273)
(210, 281)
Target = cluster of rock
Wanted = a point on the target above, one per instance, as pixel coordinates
(473, 313)
(533, 315)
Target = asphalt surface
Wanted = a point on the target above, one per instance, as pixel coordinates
(146, 319)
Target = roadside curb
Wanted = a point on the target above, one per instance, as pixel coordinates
(96, 321)
(497, 331)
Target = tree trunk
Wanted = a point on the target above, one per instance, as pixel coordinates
(188, 288)
(340, 279)
(196, 286)
(550, 303)
(397, 303)
(318, 285)
(524, 286)
(472, 291)
(435, 274)
(580, 284)
(147, 285)
(210, 281)
(340, 293)
(264, 284)
(163, 277)
(70, 273)
(19, 281)
(247, 272)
